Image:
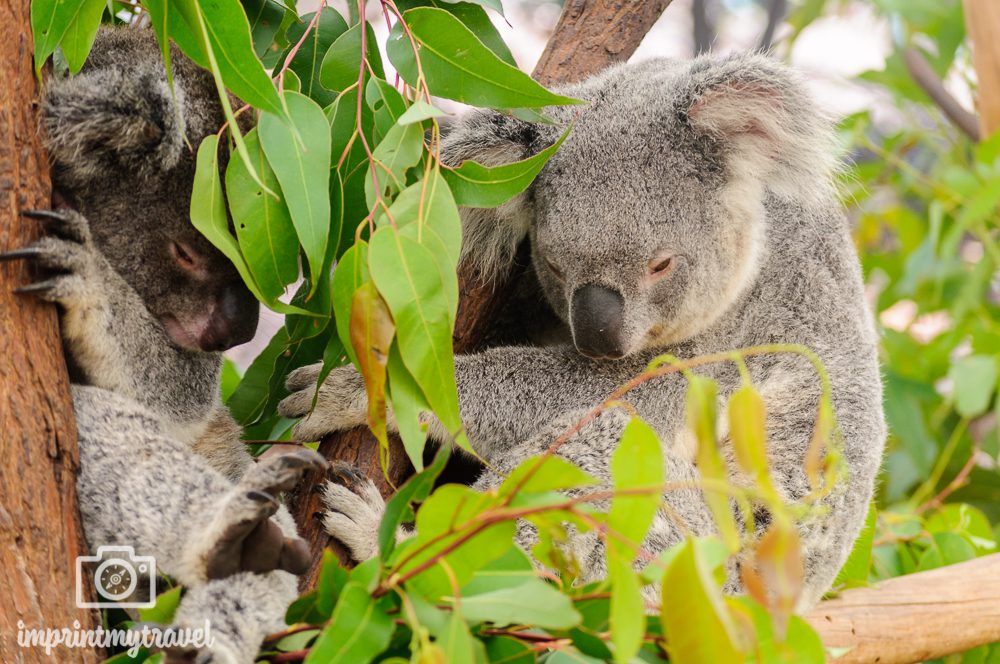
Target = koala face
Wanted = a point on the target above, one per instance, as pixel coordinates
(643, 252)
(648, 223)
(122, 145)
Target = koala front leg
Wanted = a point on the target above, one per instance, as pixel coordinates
(505, 395)
(140, 488)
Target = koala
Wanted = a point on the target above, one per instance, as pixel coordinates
(690, 211)
(146, 307)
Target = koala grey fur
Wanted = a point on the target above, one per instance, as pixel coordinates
(146, 306)
(724, 167)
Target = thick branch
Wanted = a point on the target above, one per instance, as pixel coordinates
(928, 80)
(982, 20)
(594, 34)
(916, 617)
(40, 534)
(589, 37)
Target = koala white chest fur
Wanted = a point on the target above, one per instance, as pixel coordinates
(690, 211)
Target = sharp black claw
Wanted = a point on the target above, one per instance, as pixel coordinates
(260, 497)
(40, 287)
(43, 214)
(15, 254)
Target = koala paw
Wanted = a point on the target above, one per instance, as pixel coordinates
(340, 404)
(354, 509)
(243, 537)
(67, 258)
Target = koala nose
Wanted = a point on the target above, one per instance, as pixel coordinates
(234, 321)
(597, 316)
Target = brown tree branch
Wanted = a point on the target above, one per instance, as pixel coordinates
(40, 533)
(590, 36)
(982, 19)
(925, 76)
(916, 617)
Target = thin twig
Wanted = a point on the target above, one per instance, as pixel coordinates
(925, 76)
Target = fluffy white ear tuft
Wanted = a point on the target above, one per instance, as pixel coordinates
(766, 117)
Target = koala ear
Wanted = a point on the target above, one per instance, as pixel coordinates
(490, 237)
(767, 119)
(112, 120)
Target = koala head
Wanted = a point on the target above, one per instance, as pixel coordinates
(122, 147)
(649, 222)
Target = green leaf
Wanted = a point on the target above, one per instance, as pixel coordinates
(975, 378)
(475, 185)
(964, 520)
(854, 573)
(458, 66)
(50, 19)
(637, 463)
(408, 403)
(495, 5)
(474, 17)
(512, 569)
(429, 204)
(456, 641)
(306, 63)
(408, 278)
(400, 149)
(265, 17)
(229, 47)
(551, 473)
(386, 104)
(694, 616)
(304, 173)
(534, 602)
(801, 645)
(341, 66)
(81, 32)
(398, 508)
(166, 606)
(420, 111)
(264, 228)
(358, 631)
(701, 418)
(448, 508)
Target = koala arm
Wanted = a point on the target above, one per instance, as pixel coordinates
(139, 487)
(505, 394)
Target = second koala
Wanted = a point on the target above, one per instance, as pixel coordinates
(690, 211)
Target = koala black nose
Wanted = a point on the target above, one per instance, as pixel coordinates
(597, 316)
(234, 321)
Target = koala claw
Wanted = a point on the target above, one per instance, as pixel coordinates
(249, 541)
(15, 254)
(67, 224)
(341, 402)
(282, 472)
(354, 509)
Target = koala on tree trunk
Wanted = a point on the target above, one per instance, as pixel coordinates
(147, 305)
(690, 211)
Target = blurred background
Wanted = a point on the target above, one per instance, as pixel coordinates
(921, 191)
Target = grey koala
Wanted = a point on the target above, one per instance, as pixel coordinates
(690, 211)
(146, 305)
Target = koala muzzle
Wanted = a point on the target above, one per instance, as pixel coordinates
(234, 321)
(597, 317)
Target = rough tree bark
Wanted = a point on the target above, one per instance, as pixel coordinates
(590, 36)
(40, 533)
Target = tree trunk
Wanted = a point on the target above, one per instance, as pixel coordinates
(982, 18)
(40, 534)
(590, 36)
